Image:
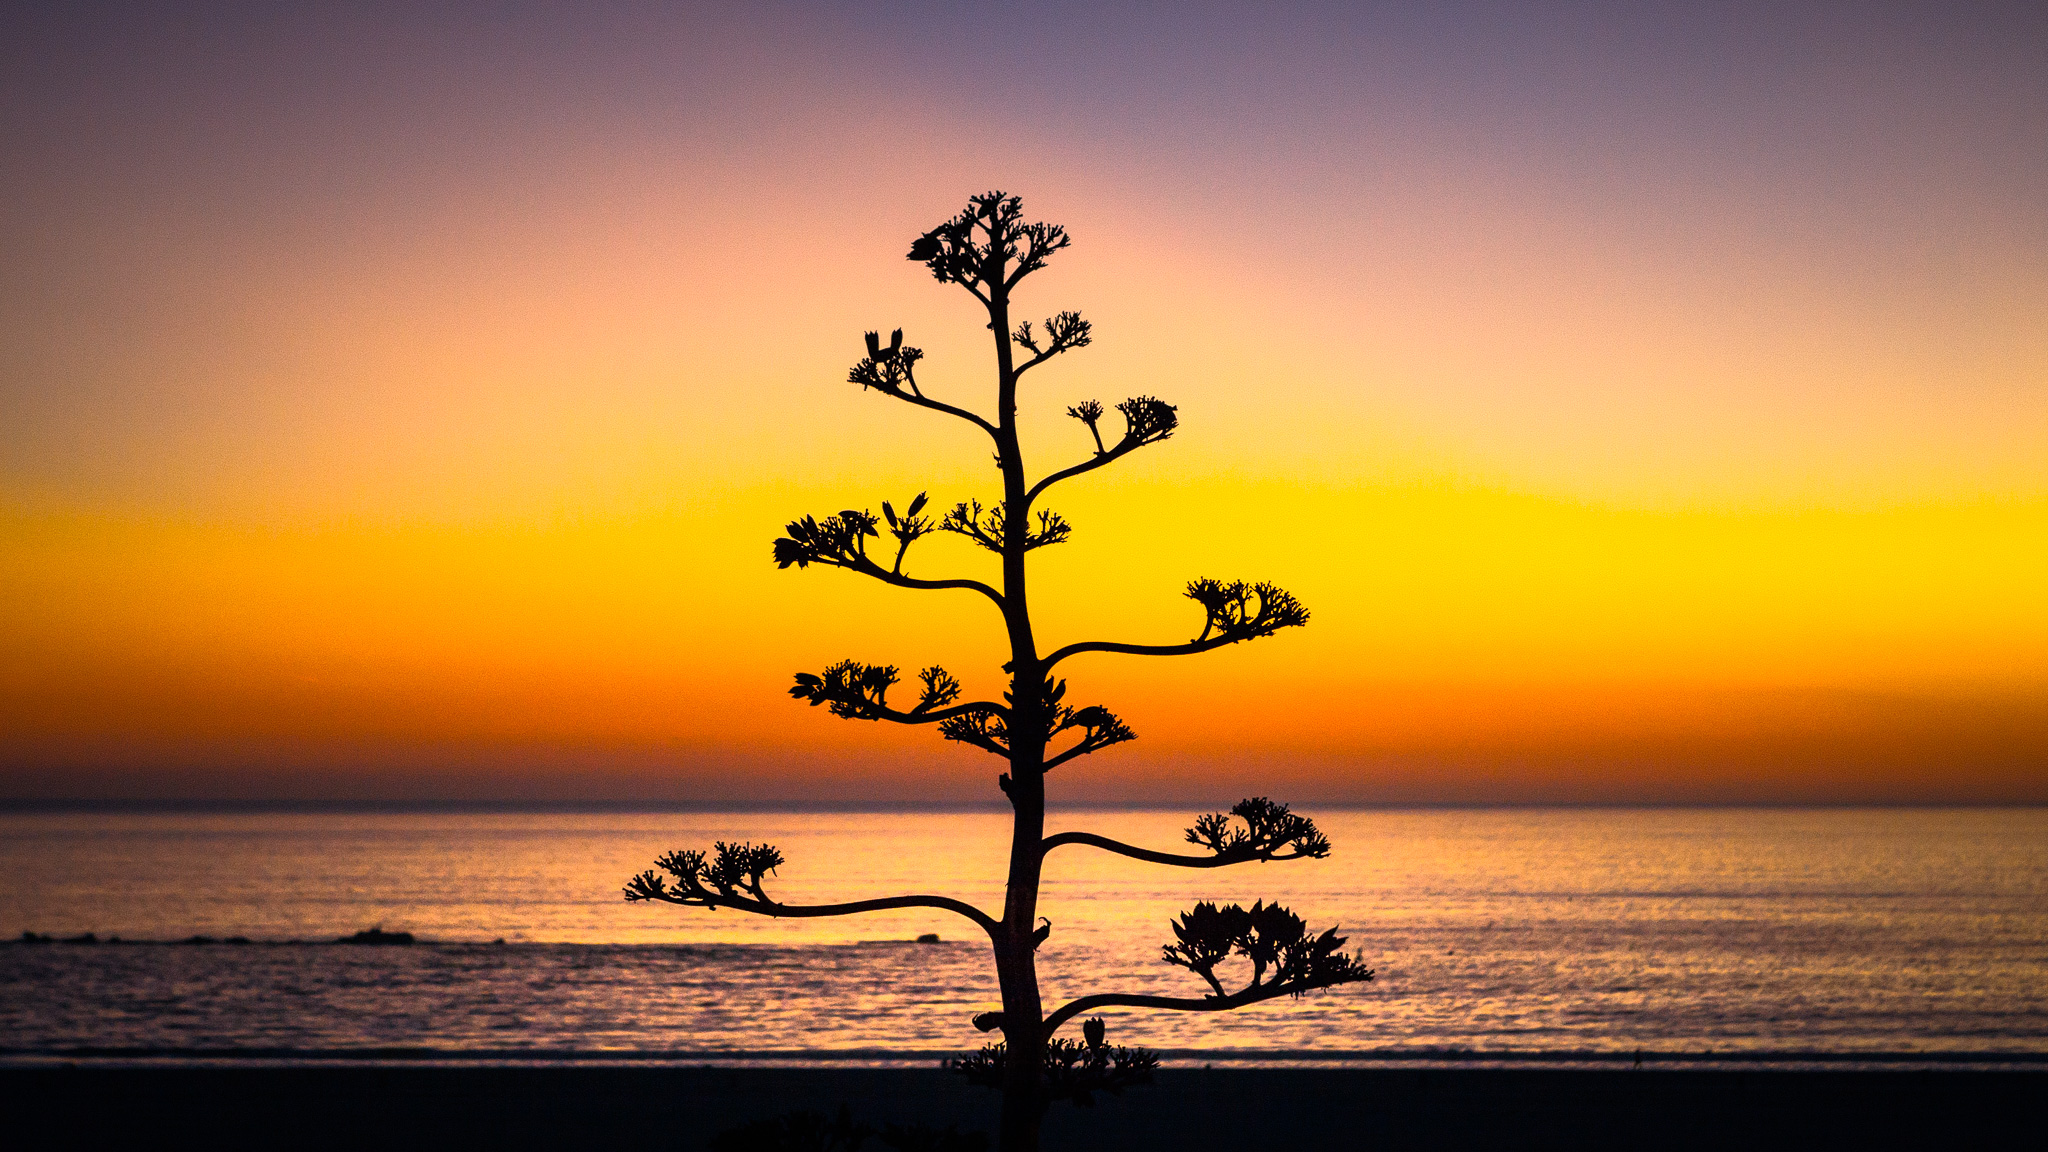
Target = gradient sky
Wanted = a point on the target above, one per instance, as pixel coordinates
(1650, 404)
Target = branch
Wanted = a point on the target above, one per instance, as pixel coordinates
(987, 729)
(858, 691)
(850, 908)
(1137, 853)
(1270, 832)
(1146, 421)
(718, 883)
(1063, 332)
(1188, 649)
(1235, 1000)
(841, 542)
(1100, 729)
(1040, 242)
(924, 401)
(1234, 612)
(1172, 859)
(1267, 828)
(991, 528)
(907, 528)
(902, 581)
(1089, 465)
(1268, 935)
(892, 371)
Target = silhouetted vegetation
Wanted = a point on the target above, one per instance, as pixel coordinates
(987, 250)
(1069, 1070)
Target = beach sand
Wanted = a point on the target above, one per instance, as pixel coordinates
(627, 1107)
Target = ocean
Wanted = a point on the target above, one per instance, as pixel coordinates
(1817, 935)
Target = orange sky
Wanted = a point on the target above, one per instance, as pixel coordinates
(394, 409)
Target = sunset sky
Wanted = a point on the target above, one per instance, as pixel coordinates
(1650, 404)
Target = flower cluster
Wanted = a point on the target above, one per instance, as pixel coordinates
(1267, 829)
(837, 541)
(854, 691)
(984, 729)
(1270, 937)
(1240, 611)
(909, 526)
(938, 689)
(991, 528)
(1147, 421)
(891, 370)
(1064, 331)
(956, 256)
(1099, 729)
(733, 872)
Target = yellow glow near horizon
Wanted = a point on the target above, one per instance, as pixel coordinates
(1449, 625)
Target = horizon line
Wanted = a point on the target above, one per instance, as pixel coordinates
(511, 806)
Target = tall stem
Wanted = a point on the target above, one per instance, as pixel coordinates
(1016, 962)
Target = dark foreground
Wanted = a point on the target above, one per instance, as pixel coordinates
(624, 1108)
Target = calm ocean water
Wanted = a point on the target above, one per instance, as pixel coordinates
(1519, 932)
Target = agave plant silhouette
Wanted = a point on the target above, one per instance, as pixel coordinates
(987, 249)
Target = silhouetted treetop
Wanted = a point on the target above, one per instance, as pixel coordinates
(974, 248)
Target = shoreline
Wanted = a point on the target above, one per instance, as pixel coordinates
(913, 1060)
(414, 1105)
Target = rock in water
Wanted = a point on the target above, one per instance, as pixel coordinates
(376, 935)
